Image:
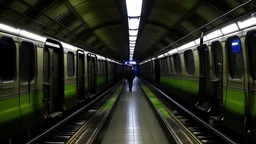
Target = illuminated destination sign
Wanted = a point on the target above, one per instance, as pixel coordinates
(130, 63)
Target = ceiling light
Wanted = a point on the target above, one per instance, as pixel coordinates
(132, 38)
(197, 41)
(160, 56)
(133, 32)
(134, 7)
(9, 29)
(213, 34)
(230, 28)
(133, 23)
(32, 36)
(52, 44)
(247, 23)
(133, 42)
(190, 44)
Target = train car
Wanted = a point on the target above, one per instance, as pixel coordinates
(215, 74)
(40, 78)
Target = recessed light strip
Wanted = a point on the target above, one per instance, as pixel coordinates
(134, 12)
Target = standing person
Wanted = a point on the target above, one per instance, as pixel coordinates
(129, 75)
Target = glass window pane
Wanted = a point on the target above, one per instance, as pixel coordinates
(189, 61)
(27, 61)
(7, 59)
(177, 63)
(71, 65)
(251, 47)
(235, 57)
(217, 57)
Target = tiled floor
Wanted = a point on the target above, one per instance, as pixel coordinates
(133, 121)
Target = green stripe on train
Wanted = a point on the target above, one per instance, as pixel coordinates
(188, 86)
(101, 80)
(28, 104)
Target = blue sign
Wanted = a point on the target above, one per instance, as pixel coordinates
(130, 63)
(235, 44)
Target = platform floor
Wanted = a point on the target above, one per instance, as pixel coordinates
(133, 121)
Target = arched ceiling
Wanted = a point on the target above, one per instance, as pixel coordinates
(101, 25)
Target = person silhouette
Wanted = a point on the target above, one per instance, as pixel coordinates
(130, 75)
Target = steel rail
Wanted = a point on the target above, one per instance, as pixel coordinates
(215, 131)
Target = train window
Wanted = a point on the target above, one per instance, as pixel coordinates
(7, 59)
(217, 57)
(235, 57)
(250, 44)
(177, 63)
(27, 61)
(70, 64)
(189, 62)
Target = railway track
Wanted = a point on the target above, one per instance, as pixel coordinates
(87, 120)
(196, 129)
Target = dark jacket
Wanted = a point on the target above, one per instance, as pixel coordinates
(129, 74)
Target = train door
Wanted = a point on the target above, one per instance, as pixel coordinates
(53, 78)
(157, 71)
(80, 72)
(92, 59)
(250, 103)
(235, 92)
(204, 78)
(217, 79)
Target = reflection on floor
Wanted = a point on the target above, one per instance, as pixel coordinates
(133, 121)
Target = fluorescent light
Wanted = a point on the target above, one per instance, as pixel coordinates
(32, 36)
(133, 23)
(52, 44)
(9, 29)
(160, 56)
(197, 41)
(132, 38)
(213, 34)
(173, 51)
(133, 32)
(190, 44)
(134, 7)
(229, 29)
(247, 23)
(133, 42)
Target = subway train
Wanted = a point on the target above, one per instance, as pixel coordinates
(214, 74)
(41, 78)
